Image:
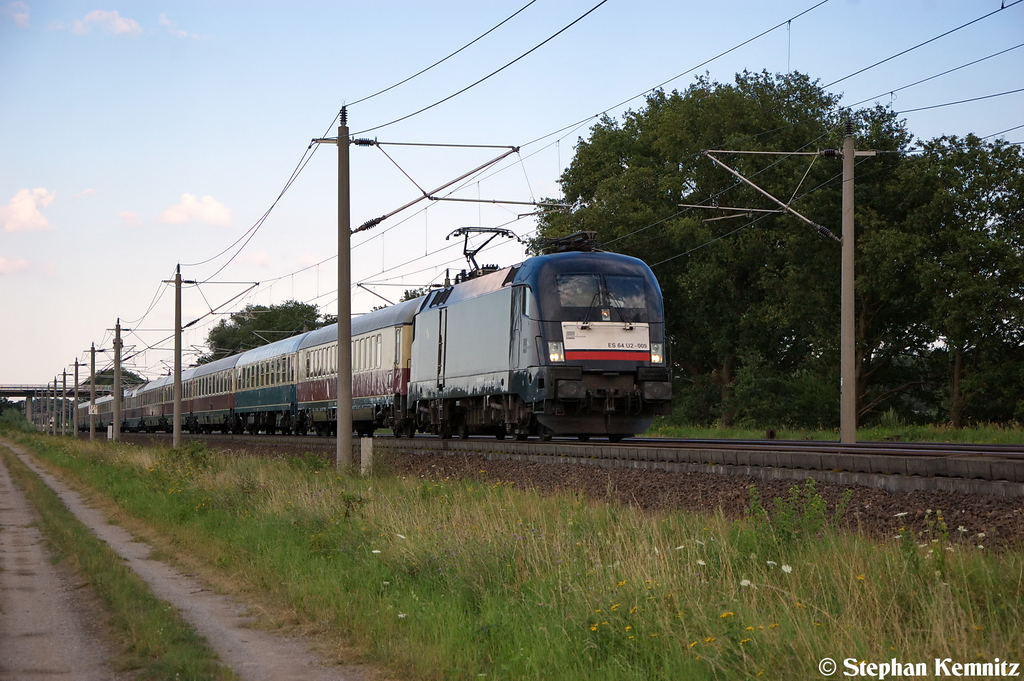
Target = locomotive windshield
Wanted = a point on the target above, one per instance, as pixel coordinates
(581, 293)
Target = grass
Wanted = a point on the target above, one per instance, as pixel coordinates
(890, 430)
(461, 579)
(157, 643)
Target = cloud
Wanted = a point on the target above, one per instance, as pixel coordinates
(173, 29)
(110, 22)
(18, 12)
(84, 193)
(129, 219)
(259, 258)
(22, 212)
(192, 208)
(12, 266)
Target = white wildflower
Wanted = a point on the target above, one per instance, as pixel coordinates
(375, 551)
(679, 547)
(400, 536)
(961, 529)
(744, 583)
(900, 515)
(787, 568)
(700, 562)
(402, 615)
(772, 563)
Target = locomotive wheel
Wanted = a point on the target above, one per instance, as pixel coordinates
(583, 438)
(463, 431)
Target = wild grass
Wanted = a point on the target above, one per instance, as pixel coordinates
(888, 429)
(157, 643)
(461, 579)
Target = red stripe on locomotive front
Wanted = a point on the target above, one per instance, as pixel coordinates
(621, 355)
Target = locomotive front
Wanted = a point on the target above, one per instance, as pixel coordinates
(601, 345)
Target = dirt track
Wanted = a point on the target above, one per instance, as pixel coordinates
(49, 626)
(49, 629)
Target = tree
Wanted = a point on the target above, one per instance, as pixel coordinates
(740, 293)
(413, 293)
(971, 206)
(752, 300)
(257, 325)
(106, 377)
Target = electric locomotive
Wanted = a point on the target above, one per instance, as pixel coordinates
(562, 344)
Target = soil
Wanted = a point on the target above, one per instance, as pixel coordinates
(51, 626)
(972, 520)
(51, 629)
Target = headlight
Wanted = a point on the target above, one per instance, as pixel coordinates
(556, 351)
(657, 353)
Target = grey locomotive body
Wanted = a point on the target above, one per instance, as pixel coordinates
(563, 344)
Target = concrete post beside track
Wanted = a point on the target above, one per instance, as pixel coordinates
(74, 427)
(92, 392)
(176, 437)
(116, 387)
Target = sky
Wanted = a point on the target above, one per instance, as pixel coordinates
(139, 136)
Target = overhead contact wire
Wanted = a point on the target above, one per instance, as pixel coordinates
(441, 61)
(930, 40)
(491, 74)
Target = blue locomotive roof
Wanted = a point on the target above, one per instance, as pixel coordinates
(535, 271)
(541, 275)
(540, 272)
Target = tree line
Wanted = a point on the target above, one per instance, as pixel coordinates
(752, 298)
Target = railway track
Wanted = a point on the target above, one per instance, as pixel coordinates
(995, 470)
